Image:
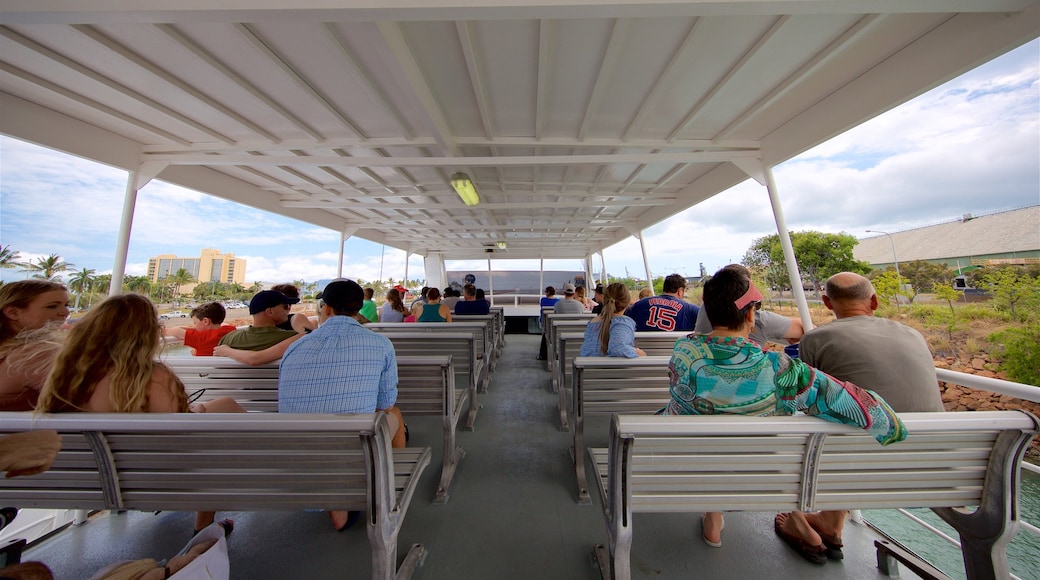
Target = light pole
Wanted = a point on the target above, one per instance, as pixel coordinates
(895, 259)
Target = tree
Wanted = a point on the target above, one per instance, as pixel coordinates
(178, 279)
(949, 294)
(46, 268)
(1011, 286)
(819, 256)
(82, 282)
(138, 284)
(887, 285)
(925, 276)
(8, 257)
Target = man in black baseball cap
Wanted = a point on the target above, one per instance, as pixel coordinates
(341, 367)
(269, 308)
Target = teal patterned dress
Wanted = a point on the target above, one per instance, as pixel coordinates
(726, 375)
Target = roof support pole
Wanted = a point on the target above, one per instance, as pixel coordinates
(764, 175)
(134, 182)
(491, 286)
(603, 268)
(541, 274)
(588, 270)
(343, 237)
(646, 261)
(407, 256)
(434, 270)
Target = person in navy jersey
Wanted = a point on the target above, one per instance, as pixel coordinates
(666, 311)
(470, 305)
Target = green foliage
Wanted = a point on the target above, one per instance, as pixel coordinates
(82, 282)
(887, 285)
(658, 287)
(819, 256)
(1019, 349)
(8, 257)
(46, 268)
(1012, 287)
(925, 276)
(947, 293)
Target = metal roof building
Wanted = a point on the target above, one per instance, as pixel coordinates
(1011, 236)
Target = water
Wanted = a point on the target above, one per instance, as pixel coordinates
(1023, 552)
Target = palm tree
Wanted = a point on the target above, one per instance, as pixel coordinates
(178, 279)
(8, 257)
(102, 282)
(47, 268)
(80, 282)
(256, 287)
(139, 284)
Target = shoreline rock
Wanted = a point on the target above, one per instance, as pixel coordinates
(959, 398)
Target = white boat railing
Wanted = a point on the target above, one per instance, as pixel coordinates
(1010, 388)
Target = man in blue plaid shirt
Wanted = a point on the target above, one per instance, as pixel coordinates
(340, 367)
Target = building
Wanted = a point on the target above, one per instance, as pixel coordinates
(1001, 238)
(211, 266)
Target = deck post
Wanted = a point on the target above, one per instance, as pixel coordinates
(763, 174)
(541, 277)
(603, 268)
(638, 233)
(136, 179)
(785, 243)
(407, 256)
(491, 285)
(343, 237)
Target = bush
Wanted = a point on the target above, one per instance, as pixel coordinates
(1019, 349)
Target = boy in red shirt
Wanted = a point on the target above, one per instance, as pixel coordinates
(206, 330)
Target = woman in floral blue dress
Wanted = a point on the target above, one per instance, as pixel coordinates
(725, 373)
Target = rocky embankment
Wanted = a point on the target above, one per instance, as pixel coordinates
(958, 398)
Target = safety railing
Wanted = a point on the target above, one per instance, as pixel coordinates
(999, 386)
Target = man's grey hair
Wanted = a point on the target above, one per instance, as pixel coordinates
(848, 286)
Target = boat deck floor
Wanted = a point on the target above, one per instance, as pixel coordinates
(511, 514)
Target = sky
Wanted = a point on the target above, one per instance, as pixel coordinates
(971, 145)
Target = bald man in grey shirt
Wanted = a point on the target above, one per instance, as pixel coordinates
(874, 353)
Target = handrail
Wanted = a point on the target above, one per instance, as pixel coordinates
(1017, 390)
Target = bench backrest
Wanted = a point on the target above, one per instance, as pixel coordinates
(460, 345)
(481, 330)
(420, 382)
(494, 332)
(606, 385)
(145, 461)
(715, 463)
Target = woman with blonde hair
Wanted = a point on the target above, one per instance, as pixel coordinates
(108, 364)
(31, 312)
(612, 333)
(579, 295)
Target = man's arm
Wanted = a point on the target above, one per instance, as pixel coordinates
(256, 357)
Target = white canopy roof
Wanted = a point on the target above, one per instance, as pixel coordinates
(580, 122)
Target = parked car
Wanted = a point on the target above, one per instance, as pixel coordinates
(173, 314)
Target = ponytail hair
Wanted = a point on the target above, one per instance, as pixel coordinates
(616, 298)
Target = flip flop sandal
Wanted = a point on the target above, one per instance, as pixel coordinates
(814, 554)
(832, 546)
